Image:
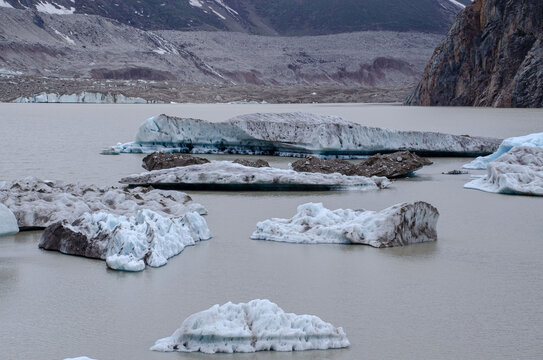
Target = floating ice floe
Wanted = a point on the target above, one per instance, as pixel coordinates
(8, 222)
(518, 171)
(39, 203)
(481, 162)
(398, 225)
(258, 325)
(294, 134)
(80, 358)
(225, 175)
(126, 242)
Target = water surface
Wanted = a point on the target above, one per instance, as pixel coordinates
(474, 294)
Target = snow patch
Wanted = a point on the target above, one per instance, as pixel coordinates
(258, 325)
(5, 4)
(8, 222)
(224, 174)
(519, 171)
(481, 162)
(398, 225)
(228, 8)
(65, 37)
(457, 4)
(53, 8)
(195, 3)
(217, 13)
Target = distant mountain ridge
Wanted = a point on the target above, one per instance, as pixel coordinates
(263, 17)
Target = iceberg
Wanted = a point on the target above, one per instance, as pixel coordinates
(84, 97)
(225, 175)
(126, 243)
(398, 225)
(481, 162)
(294, 134)
(518, 171)
(258, 325)
(80, 358)
(39, 203)
(8, 222)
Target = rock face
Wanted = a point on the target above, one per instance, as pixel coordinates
(527, 140)
(517, 172)
(159, 161)
(225, 175)
(257, 163)
(258, 325)
(390, 165)
(38, 203)
(398, 225)
(293, 134)
(126, 242)
(8, 222)
(492, 56)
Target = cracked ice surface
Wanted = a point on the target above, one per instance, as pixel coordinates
(39, 203)
(398, 225)
(258, 325)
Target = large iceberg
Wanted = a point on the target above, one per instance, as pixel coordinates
(258, 325)
(126, 242)
(519, 171)
(8, 222)
(398, 225)
(225, 175)
(481, 162)
(294, 134)
(40, 203)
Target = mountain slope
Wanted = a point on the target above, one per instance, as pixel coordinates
(277, 17)
(493, 56)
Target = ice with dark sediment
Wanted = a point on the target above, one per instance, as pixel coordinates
(8, 222)
(531, 140)
(39, 203)
(218, 175)
(398, 225)
(258, 325)
(294, 134)
(518, 171)
(126, 243)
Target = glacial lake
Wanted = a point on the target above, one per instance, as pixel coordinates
(476, 293)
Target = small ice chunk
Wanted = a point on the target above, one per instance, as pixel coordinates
(398, 225)
(518, 171)
(8, 222)
(258, 325)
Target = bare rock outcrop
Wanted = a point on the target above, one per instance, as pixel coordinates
(159, 161)
(492, 56)
(393, 165)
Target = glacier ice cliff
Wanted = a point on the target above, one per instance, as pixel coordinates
(225, 175)
(126, 242)
(258, 325)
(84, 97)
(518, 171)
(293, 134)
(39, 203)
(398, 225)
(481, 162)
(8, 222)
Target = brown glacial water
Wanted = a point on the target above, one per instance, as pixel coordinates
(474, 294)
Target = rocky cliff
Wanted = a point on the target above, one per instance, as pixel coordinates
(492, 56)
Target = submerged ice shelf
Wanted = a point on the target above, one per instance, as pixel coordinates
(518, 171)
(225, 175)
(126, 243)
(39, 203)
(258, 325)
(531, 140)
(294, 134)
(398, 225)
